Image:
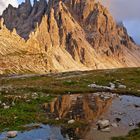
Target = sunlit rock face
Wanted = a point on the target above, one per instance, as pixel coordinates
(66, 35)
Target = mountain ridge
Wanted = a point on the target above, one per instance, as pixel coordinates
(65, 35)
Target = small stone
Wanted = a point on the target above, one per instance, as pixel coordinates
(47, 95)
(6, 107)
(15, 117)
(121, 113)
(12, 134)
(112, 85)
(103, 124)
(114, 125)
(13, 104)
(28, 101)
(57, 119)
(106, 129)
(35, 94)
(131, 124)
(6, 91)
(122, 86)
(71, 121)
(106, 98)
(4, 104)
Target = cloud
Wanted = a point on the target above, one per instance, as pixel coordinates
(124, 9)
(4, 4)
(128, 12)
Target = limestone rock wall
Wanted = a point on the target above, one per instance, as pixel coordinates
(63, 35)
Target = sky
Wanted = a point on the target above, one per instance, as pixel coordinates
(128, 12)
(19, 1)
(122, 10)
(4, 4)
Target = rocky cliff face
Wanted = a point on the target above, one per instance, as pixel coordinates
(24, 18)
(65, 35)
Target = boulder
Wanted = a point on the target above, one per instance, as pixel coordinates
(103, 124)
(12, 134)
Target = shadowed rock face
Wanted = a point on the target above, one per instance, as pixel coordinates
(65, 35)
(24, 18)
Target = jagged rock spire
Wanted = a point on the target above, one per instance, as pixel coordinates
(1, 23)
(25, 17)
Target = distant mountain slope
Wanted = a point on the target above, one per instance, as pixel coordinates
(63, 36)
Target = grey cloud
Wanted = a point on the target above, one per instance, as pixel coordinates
(4, 4)
(124, 9)
(128, 12)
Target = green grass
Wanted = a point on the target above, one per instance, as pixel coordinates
(23, 113)
(76, 82)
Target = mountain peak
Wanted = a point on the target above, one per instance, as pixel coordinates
(65, 36)
(24, 18)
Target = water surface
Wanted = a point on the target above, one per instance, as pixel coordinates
(88, 108)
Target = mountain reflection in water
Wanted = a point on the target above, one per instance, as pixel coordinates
(78, 107)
